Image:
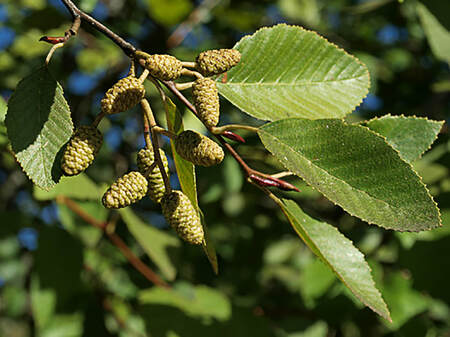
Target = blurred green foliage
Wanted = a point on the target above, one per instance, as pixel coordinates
(73, 282)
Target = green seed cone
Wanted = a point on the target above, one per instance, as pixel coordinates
(127, 190)
(214, 62)
(182, 216)
(81, 150)
(123, 95)
(163, 67)
(145, 159)
(198, 149)
(206, 101)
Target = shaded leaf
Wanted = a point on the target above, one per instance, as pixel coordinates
(338, 252)
(39, 124)
(77, 187)
(405, 302)
(356, 169)
(195, 301)
(186, 177)
(438, 36)
(168, 12)
(410, 136)
(287, 71)
(154, 242)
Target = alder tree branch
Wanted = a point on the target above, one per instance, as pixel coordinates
(130, 50)
(140, 266)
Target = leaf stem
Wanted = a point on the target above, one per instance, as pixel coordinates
(148, 114)
(164, 132)
(192, 73)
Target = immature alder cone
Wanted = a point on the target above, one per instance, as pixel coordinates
(182, 216)
(163, 67)
(206, 101)
(81, 150)
(198, 149)
(123, 95)
(145, 159)
(127, 190)
(214, 62)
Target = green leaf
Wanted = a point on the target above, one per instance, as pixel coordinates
(169, 12)
(186, 177)
(438, 36)
(356, 169)
(43, 303)
(154, 242)
(338, 252)
(287, 71)
(195, 301)
(77, 187)
(410, 136)
(39, 124)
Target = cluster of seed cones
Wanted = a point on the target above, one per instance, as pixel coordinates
(190, 145)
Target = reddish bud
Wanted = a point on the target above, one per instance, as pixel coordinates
(285, 186)
(264, 181)
(233, 136)
(53, 39)
(273, 182)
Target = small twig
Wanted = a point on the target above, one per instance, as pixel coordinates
(140, 266)
(52, 50)
(98, 119)
(282, 174)
(148, 114)
(218, 130)
(184, 86)
(164, 132)
(144, 75)
(189, 64)
(148, 140)
(192, 73)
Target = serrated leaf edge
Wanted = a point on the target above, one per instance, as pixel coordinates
(324, 260)
(402, 116)
(362, 218)
(45, 188)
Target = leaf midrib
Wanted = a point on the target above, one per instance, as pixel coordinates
(290, 84)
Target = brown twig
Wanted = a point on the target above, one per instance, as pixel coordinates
(140, 266)
(127, 47)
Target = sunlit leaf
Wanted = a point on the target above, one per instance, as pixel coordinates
(287, 71)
